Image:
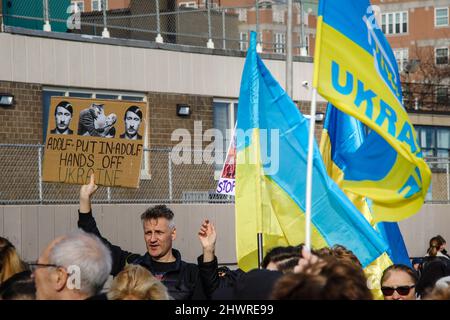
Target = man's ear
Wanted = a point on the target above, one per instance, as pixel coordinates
(174, 233)
(60, 277)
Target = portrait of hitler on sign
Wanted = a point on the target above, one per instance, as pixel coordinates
(104, 137)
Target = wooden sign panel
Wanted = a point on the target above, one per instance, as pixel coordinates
(104, 137)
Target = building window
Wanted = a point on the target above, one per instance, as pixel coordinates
(243, 41)
(49, 92)
(242, 14)
(79, 4)
(401, 55)
(189, 4)
(280, 42)
(303, 20)
(304, 44)
(97, 5)
(278, 15)
(441, 56)
(441, 17)
(434, 142)
(225, 116)
(394, 22)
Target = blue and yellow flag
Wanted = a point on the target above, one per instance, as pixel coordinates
(272, 147)
(342, 139)
(356, 71)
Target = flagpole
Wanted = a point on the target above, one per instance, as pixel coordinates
(312, 124)
(260, 249)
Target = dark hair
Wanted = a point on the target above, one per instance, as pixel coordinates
(399, 267)
(327, 279)
(288, 265)
(134, 109)
(66, 105)
(18, 287)
(159, 211)
(278, 254)
(441, 238)
(435, 244)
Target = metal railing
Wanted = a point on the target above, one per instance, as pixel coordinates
(207, 25)
(162, 180)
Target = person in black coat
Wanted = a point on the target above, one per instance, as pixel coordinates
(435, 265)
(184, 281)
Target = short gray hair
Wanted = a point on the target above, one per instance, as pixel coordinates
(159, 211)
(87, 252)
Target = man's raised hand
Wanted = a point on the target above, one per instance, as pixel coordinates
(208, 236)
(86, 192)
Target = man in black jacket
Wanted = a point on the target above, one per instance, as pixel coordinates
(183, 280)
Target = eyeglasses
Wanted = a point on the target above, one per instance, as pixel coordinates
(402, 290)
(34, 266)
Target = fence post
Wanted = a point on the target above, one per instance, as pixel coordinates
(170, 176)
(258, 36)
(105, 32)
(40, 173)
(159, 38)
(210, 43)
(108, 191)
(223, 29)
(47, 27)
(448, 181)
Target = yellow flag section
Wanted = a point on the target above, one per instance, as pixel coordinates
(264, 207)
(355, 70)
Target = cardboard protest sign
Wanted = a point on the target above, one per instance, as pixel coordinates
(104, 137)
(227, 181)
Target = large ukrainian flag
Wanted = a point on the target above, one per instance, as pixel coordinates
(356, 71)
(270, 186)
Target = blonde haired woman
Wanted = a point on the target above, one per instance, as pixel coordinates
(137, 283)
(10, 262)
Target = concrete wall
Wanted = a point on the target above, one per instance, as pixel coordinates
(31, 228)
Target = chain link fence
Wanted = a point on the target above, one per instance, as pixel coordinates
(193, 23)
(162, 180)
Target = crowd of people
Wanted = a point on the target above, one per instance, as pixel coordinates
(76, 266)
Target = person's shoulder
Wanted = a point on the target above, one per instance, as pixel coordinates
(53, 131)
(70, 131)
(122, 136)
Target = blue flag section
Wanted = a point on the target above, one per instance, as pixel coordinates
(392, 235)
